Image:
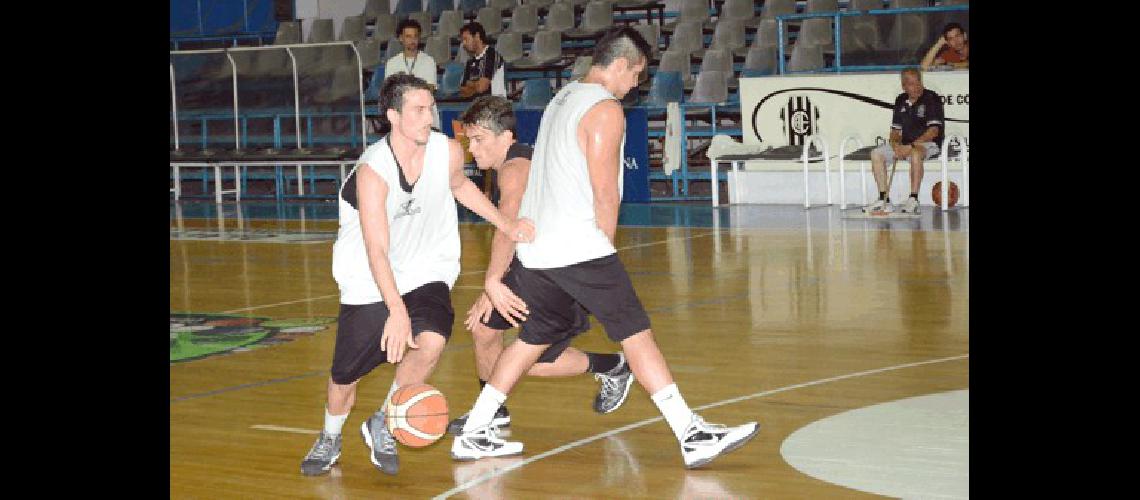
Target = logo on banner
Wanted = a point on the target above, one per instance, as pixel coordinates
(630, 163)
(800, 119)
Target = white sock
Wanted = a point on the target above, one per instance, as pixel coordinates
(488, 402)
(388, 398)
(334, 423)
(674, 409)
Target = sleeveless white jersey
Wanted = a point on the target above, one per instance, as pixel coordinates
(558, 196)
(423, 227)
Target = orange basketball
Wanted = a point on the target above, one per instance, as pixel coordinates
(936, 194)
(417, 415)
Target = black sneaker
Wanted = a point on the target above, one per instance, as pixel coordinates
(502, 420)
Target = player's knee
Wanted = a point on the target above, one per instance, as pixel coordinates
(431, 342)
(483, 334)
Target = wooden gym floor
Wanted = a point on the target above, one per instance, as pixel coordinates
(788, 317)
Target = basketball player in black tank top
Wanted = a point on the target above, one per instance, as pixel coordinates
(490, 125)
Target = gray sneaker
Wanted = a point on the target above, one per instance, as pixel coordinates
(615, 387)
(322, 456)
(381, 443)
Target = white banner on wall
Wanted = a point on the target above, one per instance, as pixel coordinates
(782, 110)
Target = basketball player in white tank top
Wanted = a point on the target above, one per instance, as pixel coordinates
(572, 195)
(395, 259)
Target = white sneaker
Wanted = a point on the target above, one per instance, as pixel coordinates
(878, 206)
(910, 206)
(703, 442)
(482, 443)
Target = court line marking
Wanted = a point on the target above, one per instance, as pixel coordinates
(584, 441)
(278, 428)
(322, 297)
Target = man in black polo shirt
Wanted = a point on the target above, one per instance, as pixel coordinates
(484, 74)
(916, 134)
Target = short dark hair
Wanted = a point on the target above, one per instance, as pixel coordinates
(952, 26)
(474, 28)
(492, 112)
(393, 90)
(618, 42)
(409, 23)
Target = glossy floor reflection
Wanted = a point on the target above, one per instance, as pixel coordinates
(767, 313)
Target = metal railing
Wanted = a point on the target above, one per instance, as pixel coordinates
(837, 31)
(260, 37)
(296, 87)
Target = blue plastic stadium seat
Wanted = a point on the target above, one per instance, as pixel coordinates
(536, 93)
(665, 88)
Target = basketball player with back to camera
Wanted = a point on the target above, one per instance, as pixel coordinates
(572, 194)
(489, 124)
(395, 260)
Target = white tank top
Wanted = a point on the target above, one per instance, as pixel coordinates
(423, 226)
(558, 196)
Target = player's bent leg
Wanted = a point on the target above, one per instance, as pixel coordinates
(571, 362)
(488, 346)
(418, 364)
(516, 360)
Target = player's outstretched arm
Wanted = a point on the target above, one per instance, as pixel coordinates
(471, 197)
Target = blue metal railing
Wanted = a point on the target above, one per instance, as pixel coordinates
(838, 17)
(261, 38)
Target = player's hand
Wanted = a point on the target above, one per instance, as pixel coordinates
(941, 41)
(509, 305)
(520, 231)
(480, 312)
(397, 335)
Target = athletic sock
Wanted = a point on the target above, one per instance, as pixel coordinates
(334, 423)
(482, 383)
(882, 195)
(674, 409)
(914, 195)
(602, 363)
(388, 398)
(483, 412)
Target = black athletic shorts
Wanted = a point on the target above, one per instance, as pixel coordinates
(579, 324)
(555, 296)
(360, 327)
